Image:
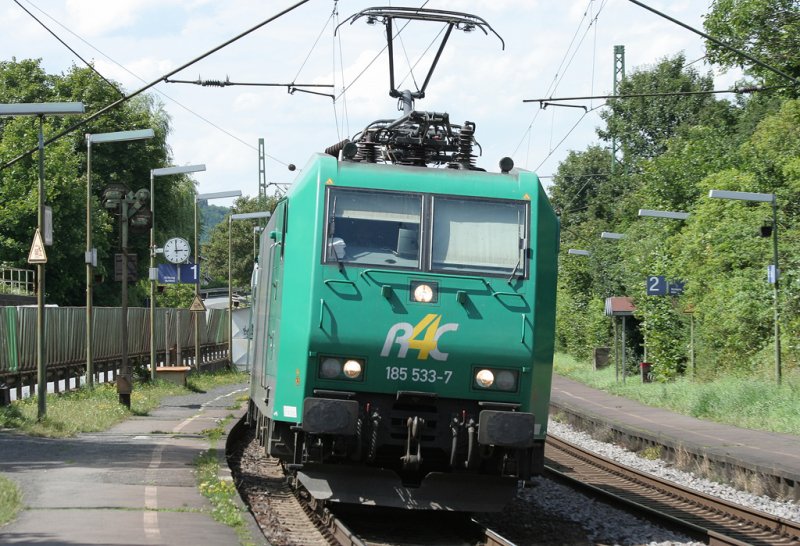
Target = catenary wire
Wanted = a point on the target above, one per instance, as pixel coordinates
(162, 93)
(155, 82)
(57, 37)
(554, 84)
(313, 47)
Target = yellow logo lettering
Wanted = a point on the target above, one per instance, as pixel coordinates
(407, 336)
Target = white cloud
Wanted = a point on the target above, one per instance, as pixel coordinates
(97, 17)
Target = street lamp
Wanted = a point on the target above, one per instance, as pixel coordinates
(41, 110)
(616, 237)
(91, 254)
(203, 197)
(673, 215)
(153, 273)
(764, 198)
(231, 218)
(577, 252)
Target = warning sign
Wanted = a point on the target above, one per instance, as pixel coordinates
(197, 305)
(37, 254)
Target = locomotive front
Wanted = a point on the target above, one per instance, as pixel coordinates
(430, 358)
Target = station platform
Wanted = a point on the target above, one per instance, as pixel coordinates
(757, 461)
(134, 484)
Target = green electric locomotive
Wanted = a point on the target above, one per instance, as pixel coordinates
(404, 322)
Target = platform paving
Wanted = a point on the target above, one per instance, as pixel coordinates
(132, 485)
(774, 456)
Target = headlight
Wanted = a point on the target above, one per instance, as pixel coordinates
(484, 378)
(506, 380)
(331, 368)
(341, 368)
(352, 369)
(424, 291)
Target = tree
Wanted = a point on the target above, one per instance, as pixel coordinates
(65, 178)
(580, 179)
(216, 250)
(642, 126)
(768, 30)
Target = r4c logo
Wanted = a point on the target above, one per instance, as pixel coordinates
(407, 336)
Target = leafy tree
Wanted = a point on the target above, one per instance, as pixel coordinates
(210, 216)
(216, 251)
(643, 125)
(768, 30)
(580, 181)
(65, 179)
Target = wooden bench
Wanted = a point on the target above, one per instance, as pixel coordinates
(173, 374)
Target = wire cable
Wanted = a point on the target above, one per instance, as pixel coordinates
(435, 38)
(87, 63)
(554, 84)
(310, 51)
(567, 135)
(155, 82)
(162, 93)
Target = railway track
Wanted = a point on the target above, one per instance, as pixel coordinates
(709, 519)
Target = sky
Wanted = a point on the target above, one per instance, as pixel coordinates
(552, 49)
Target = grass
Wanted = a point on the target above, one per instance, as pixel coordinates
(222, 494)
(10, 500)
(742, 402)
(98, 409)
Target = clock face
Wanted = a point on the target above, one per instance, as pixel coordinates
(177, 250)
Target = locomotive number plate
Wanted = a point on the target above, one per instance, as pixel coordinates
(417, 375)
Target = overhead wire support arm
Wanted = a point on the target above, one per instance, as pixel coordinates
(543, 105)
(227, 82)
(736, 90)
(290, 87)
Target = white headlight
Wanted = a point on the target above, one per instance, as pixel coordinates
(331, 368)
(506, 380)
(423, 293)
(484, 378)
(352, 369)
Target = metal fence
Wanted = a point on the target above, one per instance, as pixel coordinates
(17, 281)
(65, 339)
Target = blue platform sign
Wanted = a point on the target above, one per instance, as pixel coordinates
(676, 287)
(656, 285)
(178, 273)
(167, 273)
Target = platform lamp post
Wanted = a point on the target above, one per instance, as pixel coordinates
(231, 218)
(203, 197)
(764, 198)
(91, 254)
(40, 258)
(616, 237)
(153, 273)
(673, 215)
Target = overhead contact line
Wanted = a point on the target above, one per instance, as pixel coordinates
(719, 43)
(153, 83)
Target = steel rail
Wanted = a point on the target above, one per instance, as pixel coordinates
(715, 520)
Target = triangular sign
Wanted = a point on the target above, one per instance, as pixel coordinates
(197, 305)
(37, 254)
